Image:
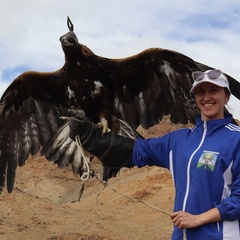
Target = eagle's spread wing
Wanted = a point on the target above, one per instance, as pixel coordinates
(30, 111)
(139, 89)
(154, 83)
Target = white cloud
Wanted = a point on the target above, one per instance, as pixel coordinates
(30, 31)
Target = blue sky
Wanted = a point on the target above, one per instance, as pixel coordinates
(206, 32)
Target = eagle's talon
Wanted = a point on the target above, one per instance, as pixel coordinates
(104, 125)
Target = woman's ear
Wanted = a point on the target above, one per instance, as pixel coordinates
(227, 98)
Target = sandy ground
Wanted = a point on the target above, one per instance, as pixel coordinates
(43, 205)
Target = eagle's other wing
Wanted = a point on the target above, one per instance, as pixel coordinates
(157, 82)
(30, 111)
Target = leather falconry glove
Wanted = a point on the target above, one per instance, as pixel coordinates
(113, 150)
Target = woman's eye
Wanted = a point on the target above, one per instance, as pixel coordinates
(214, 90)
(199, 91)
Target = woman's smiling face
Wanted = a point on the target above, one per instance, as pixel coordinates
(211, 100)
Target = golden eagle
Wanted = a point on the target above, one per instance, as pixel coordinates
(139, 89)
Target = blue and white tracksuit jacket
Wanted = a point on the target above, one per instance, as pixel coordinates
(205, 165)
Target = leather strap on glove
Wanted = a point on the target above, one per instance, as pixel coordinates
(113, 150)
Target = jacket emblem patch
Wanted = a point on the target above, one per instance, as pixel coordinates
(207, 160)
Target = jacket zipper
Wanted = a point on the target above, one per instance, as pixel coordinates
(189, 164)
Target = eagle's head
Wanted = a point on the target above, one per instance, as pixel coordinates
(68, 39)
(72, 48)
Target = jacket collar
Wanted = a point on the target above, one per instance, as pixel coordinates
(213, 125)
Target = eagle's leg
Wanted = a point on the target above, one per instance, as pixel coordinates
(115, 124)
(104, 125)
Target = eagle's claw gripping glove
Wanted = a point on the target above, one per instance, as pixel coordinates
(111, 149)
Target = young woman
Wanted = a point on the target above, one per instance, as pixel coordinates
(204, 161)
